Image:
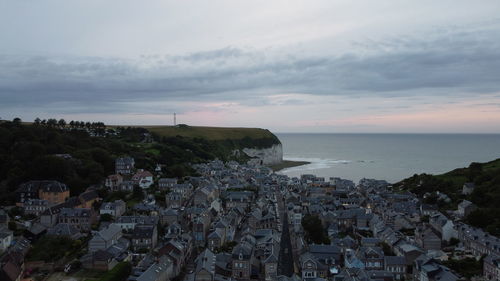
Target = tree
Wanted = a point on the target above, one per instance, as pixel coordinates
(119, 273)
(315, 232)
(37, 121)
(475, 169)
(61, 123)
(16, 121)
(12, 225)
(106, 217)
(137, 193)
(51, 122)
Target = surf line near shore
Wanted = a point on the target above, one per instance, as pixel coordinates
(288, 164)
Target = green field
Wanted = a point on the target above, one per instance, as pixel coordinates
(210, 133)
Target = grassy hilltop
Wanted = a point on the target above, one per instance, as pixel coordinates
(210, 133)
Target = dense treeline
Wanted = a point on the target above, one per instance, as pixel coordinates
(54, 150)
(486, 195)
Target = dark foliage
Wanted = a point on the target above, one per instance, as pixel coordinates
(315, 232)
(486, 195)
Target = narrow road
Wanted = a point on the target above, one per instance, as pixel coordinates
(285, 259)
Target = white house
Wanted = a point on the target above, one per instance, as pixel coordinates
(143, 178)
(5, 240)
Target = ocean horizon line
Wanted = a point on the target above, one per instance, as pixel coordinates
(384, 133)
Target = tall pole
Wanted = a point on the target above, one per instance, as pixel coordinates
(175, 121)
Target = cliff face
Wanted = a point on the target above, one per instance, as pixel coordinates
(265, 156)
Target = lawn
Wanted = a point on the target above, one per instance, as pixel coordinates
(210, 133)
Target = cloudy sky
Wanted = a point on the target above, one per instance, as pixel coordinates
(290, 66)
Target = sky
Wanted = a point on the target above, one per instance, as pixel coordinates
(289, 66)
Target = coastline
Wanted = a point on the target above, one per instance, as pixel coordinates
(287, 164)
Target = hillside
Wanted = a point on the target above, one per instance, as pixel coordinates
(68, 153)
(211, 133)
(486, 195)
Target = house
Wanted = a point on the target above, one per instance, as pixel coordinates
(105, 238)
(351, 260)
(443, 226)
(126, 185)
(201, 224)
(465, 208)
(427, 269)
(477, 241)
(174, 230)
(310, 267)
(27, 191)
(35, 232)
(203, 195)
(239, 199)
(396, 265)
(87, 199)
(205, 266)
(115, 209)
(11, 266)
(372, 257)
(468, 188)
(271, 266)
(6, 237)
(81, 218)
(216, 239)
(143, 178)
(53, 191)
(124, 165)
(163, 270)
(491, 267)
(427, 238)
(242, 261)
(174, 200)
(166, 183)
(184, 189)
(106, 259)
(35, 206)
(113, 182)
(99, 260)
(169, 216)
(427, 209)
(65, 230)
(319, 260)
(128, 223)
(144, 237)
(177, 251)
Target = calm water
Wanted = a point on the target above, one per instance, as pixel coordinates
(390, 157)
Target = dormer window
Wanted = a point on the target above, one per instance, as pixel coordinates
(240, 256)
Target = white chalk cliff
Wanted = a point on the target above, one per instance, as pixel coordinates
(265, 156)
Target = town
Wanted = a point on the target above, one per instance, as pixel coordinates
(235, 222)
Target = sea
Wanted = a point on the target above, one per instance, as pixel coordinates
(390, 157)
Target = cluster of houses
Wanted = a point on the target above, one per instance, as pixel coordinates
(244, 222)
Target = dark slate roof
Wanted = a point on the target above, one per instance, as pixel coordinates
(143, 231)
(45, 185)
(63, 229)
(394, 260)
(89, 195)
(245, 249)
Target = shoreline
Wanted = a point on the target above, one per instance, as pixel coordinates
(287, 164)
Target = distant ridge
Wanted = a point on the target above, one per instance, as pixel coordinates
(211, 133)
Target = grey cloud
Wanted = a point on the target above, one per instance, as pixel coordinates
(451, 63)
